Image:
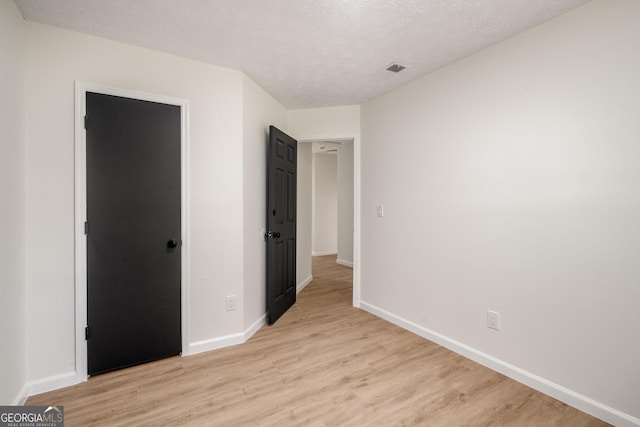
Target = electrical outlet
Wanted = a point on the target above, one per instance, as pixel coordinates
(232, 302)
(493, 320)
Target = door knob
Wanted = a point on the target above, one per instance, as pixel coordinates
(272, 235)
(172, 243)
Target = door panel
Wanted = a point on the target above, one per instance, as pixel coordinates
(133, 213)
(281, 223)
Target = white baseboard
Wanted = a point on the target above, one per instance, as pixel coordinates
(227, 340)
(345, 263)
(323, 253)
(22, 396)
(570, 397)
(70, 378)
(53, 382)
(304, 283)
(215, 343)
(255, 327)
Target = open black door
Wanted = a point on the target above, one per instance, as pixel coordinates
(281, 223)
(133, 231)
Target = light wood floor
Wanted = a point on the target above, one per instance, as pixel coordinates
(323, 363)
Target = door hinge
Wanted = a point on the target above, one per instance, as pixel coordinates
(86, 227)
(86, 333)
(86, 120)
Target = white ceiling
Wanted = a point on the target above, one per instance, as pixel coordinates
(307, 53)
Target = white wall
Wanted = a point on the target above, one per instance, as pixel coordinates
(13, 356)
(260, 111)
(325, 204)
(510, 181)
(324, 123)
(55, 58)
(304, 213)
(345, 204)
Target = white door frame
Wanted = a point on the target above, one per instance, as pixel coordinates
(356, 202)
(81, 88)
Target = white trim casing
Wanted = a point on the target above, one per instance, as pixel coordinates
(570, 397)
(81, 88)
(357, 159)
(357, 219)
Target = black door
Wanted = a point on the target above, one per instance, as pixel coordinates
(133, 225)
(281, 223)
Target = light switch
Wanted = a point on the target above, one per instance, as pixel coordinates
(379, 211)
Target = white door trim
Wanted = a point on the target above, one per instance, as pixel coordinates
(81, 88)
(356, 201)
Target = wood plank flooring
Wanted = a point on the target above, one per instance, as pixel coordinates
(323, 363)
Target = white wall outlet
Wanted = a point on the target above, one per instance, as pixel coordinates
(232, 302)
(493, 320)
(379, 211)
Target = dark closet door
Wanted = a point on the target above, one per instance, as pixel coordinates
(281, 223)
(133, 231)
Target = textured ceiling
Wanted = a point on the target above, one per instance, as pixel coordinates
(307, 53)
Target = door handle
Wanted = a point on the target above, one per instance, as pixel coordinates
(172, 243)
(272, 235)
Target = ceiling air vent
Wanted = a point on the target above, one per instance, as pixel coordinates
(395, 68)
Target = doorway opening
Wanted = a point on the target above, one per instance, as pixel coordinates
(327, 205)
